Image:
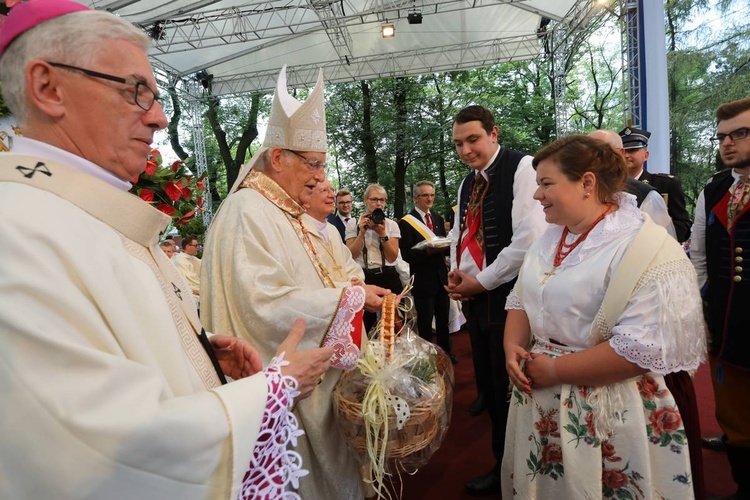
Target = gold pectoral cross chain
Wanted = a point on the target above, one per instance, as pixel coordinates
(548, 275)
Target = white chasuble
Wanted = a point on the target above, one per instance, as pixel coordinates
(258, 276)
(106, 391)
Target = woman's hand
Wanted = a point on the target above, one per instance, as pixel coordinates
(514, 355)
(541, 372)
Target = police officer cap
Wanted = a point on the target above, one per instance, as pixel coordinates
(633, 138)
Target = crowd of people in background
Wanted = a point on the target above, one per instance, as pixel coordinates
(586, 317)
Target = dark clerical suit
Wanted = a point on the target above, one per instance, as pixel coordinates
(670, 188)
(430, 277)
(336, 221)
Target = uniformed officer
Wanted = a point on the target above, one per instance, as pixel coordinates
(635, 143)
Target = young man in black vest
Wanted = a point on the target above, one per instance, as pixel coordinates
(496, 221)
(719, 248)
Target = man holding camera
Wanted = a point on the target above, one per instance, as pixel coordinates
(373, 241)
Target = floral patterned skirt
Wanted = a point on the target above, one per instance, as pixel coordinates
(552, 450)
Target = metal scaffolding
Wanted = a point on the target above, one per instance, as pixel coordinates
(631, 61)
(193, 94)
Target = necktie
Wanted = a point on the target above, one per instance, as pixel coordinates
(428, 220)
(738, 200)
(474, 240)
(346, 219)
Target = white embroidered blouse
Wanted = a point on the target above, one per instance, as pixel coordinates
(661, 328)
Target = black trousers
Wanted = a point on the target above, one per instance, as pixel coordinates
(437, 306)
(489, 367)
(388, 278)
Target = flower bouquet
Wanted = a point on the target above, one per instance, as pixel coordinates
(172, 190)
(395, 408)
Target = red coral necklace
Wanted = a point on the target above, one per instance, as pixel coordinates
(564, 249)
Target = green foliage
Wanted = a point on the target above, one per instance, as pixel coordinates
(193, 226)
(397, 131)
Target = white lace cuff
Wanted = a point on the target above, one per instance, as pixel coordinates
(513, 302)
(273, 468)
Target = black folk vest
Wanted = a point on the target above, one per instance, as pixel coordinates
(728, 267)
(497, 222)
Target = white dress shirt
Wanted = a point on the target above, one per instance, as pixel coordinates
(528, 223)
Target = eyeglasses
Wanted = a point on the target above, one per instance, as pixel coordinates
(425, 195)
(378, 200)
(345, 202)
(735, 135)
(312, 163)
(143, 96)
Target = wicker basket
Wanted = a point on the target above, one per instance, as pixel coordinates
(412, 446)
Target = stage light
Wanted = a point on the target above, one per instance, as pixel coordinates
(414, 18)
(204, 77)
(388, 31)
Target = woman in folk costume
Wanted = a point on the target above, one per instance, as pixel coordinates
(261, 270)
(609, 304)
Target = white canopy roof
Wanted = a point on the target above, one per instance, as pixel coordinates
(244, 43)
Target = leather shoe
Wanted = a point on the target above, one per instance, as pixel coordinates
(477, 406)
(453, 358)
(715, 443)
(483, 485)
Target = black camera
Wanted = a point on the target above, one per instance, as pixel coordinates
(377, 216)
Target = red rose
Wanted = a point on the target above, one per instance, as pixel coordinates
(608, 452)
(649, 388)
(186, 193)
(146, 194)
(201, 183)
(173, 190)
(665, 420)
(552, 453)
(167, 209)
(151, 166)
(614, 478)
(546, 426)
(176, 165)
(199, 202)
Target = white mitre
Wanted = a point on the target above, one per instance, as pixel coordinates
(299, 126)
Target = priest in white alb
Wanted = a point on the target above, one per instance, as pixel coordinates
(109, 386)
(261, 270)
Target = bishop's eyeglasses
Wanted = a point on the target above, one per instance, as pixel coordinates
(143, 96)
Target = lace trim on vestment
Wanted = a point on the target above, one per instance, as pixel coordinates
(339, 335)
(274, 469)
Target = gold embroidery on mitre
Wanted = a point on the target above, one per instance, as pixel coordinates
(295, 125)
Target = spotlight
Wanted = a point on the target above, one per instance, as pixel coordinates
(204, 77)
(388, 31)
(414, 18)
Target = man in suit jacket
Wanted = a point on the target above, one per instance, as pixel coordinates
(344, 206)
(635, 144)
(427, 266)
